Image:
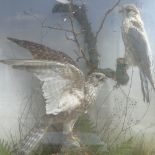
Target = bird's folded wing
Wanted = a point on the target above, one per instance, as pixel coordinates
(57, 79)
(137, 41)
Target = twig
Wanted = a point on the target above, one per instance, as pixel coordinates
(74, 33)
(105, 17)
(126, 108)
(137, 122)
(42, 22)
(79, 13)
(127, 101)
(56, 28)
(77, 42)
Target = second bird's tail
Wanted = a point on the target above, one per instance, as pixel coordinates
(144, 87)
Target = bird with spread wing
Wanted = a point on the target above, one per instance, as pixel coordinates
(137, 48)
(67, 93)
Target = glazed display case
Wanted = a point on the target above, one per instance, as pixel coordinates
(77, 77)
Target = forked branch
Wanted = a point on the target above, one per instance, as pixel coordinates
(105, 17)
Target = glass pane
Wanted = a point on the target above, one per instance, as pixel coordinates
(77, 77)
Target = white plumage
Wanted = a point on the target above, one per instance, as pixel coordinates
(137, 48)
(67, 94)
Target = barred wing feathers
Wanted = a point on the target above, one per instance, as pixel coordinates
(43, 52)
(32, 139)
(59, 81)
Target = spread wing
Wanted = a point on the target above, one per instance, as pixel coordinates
(59, 81)
(42, 52)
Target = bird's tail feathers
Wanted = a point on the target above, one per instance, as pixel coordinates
(144, 87)
(32, 139)
(151, 81)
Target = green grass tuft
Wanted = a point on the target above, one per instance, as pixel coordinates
(5, 148)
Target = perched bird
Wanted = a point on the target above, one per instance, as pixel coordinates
(42, 52)
(137, 48)
(67, 93)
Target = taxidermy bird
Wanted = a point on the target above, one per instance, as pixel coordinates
(42, 52)
(137, 48)
(67, 93)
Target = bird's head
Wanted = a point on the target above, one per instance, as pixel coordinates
(96, 78)
(129, 10)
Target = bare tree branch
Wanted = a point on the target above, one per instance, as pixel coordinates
(74, 33)
(56, 28)
(79, 13)
(105, 17)
(77, 42)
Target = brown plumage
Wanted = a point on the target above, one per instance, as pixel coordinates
(42, 52)
(66, 90)
(67, 93)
